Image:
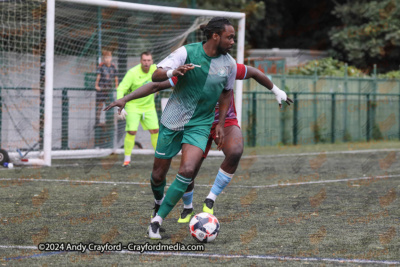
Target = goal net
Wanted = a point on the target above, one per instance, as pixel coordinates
(59, 117)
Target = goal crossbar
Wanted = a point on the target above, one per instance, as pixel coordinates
(158, 9)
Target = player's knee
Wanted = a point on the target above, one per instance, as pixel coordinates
(235, 153)
(187, 171)
(154, 131)
(158, 177)
(132, 132)
(238, 151)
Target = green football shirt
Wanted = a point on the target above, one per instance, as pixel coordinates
(195, 95)
(134, 79)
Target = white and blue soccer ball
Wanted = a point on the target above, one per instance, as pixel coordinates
(204, 227)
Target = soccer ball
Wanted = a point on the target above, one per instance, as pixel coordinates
(204, 227)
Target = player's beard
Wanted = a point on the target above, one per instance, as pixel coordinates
(222, 51)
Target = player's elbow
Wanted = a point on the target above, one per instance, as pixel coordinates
(155, 77)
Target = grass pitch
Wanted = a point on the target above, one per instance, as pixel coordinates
(310, 205)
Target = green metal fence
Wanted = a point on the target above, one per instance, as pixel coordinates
(326, 109)
(318, 118)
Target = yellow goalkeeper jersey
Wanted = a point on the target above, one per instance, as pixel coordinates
(134, 79)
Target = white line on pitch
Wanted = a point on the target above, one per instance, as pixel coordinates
(318, 182)
(97, 163)
(244, 157)
(229, 256)
(18, 247)
(204, 185)
(322, 152)
(266, 257)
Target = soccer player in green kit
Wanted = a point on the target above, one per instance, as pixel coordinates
(207, 76)
(141, 110)
(210, 30)
(232, 134)
(241, 73)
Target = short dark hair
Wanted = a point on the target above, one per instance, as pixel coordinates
(147, 53)
(215, 25)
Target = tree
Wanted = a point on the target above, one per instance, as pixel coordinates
(370, 33)
(296, 24)
(283, 23)
(255, 11)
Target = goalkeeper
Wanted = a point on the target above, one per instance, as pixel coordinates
(141, 110)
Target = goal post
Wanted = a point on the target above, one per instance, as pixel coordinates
(240, 59)
(74, 34)
(49, 75)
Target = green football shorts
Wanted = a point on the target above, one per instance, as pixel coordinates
(170, 142)
(148, 119)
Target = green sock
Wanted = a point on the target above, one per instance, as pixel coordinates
(158, 190)
(129, 143)
(174, 193)
(154, 138)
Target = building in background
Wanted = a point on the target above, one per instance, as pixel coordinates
(275, 60)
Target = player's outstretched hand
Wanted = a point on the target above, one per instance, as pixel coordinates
(117, 103)
(181, 70)
(220, 136)
(281, 95)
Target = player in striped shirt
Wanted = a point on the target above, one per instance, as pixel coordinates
(188, 116)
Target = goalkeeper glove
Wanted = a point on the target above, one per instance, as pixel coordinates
(279, 94)
(122, 115)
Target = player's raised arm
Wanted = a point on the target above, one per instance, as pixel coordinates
(145, 90)
(262, 79)
(161, 75)
(173, 65)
